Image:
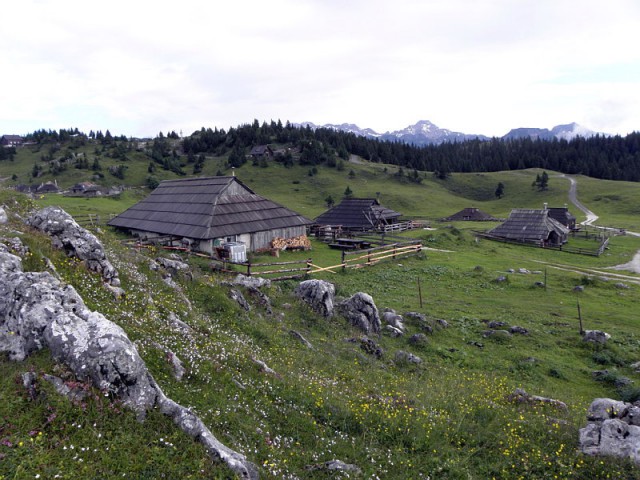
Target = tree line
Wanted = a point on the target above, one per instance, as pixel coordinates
(604, 157)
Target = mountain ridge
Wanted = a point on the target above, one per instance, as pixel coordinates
(425, 132)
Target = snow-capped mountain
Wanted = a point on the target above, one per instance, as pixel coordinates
(425, 132)
(564, 132)
(422, 133)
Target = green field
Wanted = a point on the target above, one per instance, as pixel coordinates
(449, 417)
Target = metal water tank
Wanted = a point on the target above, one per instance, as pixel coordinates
(237, 251)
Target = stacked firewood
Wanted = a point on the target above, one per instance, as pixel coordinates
(298, 243)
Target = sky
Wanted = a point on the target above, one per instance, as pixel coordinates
(140, 67)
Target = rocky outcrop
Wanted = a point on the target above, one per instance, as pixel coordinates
(595, 336)
(254, 282)
(3, 216)
(361, 312)
(66, 234)
(318, 294)
(37, 311)
(613, 430)
(392, 319)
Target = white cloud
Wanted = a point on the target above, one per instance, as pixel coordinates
(479, 67)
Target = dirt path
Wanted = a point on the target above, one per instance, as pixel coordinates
(573, 198)
(634, 264)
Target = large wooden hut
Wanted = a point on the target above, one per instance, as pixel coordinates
(532, 226)
(206, 212)
(358, 214)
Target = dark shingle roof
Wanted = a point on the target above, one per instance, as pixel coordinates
(562, 215)
(357, 213)
(470, 213)
(529, 225)
(205, 208)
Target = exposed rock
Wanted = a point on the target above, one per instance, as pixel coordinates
(518, 330)
(335, 465)
(578, 288)
(622, 286)
(501, 279)
(496, 333)
(298, 336)
(117, 292)
(15, 245)
(595, 336)
(178, 324)
(524, 271)
(75, 393)
(261, 299)
(393, 331)
(369, 346)
(3, 216)
(177, 370)
(361, 312)
(611, 430)
(539, 284)
(406, 357)
(605, 408)
(417, 316)
(496, 324)
(391, 318)
(173, 266)
(37, 311)
(419, 339)
(421, 320)
(318, 294)
(236, 295)
(66, 234)
(442, 322)
(29, 383)
(521, 396)
(265, 368)
(255, 282)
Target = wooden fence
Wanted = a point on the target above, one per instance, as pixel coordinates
(371, 256)
(595, 252)
(289, 270)
(90, 220)
(275, 271)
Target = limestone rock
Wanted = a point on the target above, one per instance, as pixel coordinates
(361, 312)
(66, 234)
(418, 339)
(336, 466)
(595, 336)
(403, 357)
(3, 216)
(37, 311)
(319, 294)
(612, 430)
(255, 282)
(391, 318)
(236, 295)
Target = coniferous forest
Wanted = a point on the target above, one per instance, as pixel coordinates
(603, 157)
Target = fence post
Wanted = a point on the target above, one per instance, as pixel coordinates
(248, 268)
(344, 265)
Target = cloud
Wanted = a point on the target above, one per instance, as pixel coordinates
(478, 67)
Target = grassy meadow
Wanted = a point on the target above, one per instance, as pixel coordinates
(449, 417)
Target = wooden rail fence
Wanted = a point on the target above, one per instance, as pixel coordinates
(294, 269)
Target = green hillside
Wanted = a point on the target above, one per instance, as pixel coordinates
(449, 417)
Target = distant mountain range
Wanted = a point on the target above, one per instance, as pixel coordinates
(426, 133)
